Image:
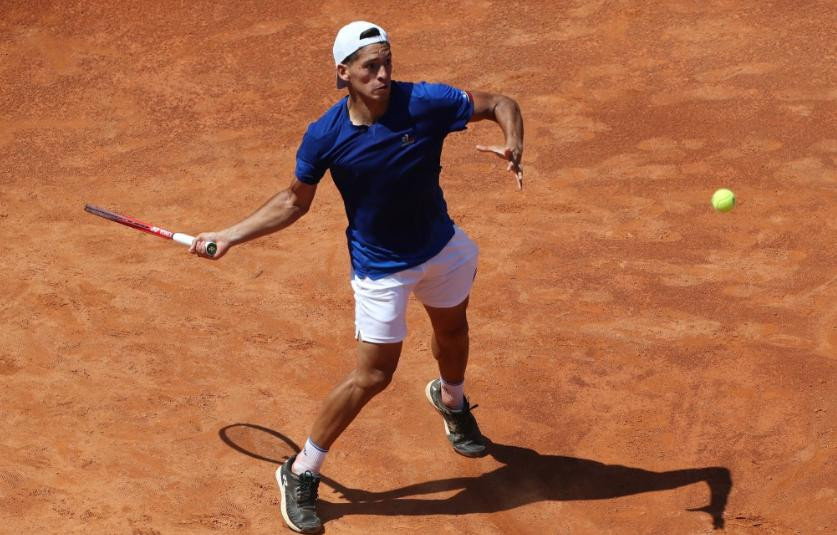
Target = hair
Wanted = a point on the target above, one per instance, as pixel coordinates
(353, 56)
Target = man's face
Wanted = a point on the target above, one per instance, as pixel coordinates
(370, 74)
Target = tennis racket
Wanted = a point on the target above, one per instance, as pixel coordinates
(179, 237)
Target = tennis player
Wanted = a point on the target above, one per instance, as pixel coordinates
(382, 144)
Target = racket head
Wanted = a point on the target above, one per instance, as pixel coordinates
(127, 221)
(118, 218)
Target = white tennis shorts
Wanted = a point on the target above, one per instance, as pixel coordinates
(444, 281)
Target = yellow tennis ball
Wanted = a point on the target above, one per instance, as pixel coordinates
(723, 200)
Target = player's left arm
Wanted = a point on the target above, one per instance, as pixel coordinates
(505, 112)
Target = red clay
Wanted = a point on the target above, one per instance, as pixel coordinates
(625, 338)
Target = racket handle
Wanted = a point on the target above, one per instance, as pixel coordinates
(187, 240)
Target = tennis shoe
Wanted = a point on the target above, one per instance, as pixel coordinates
(460, 425)
(299, 498)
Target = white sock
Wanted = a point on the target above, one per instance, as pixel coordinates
(453, 395)
(310, 459)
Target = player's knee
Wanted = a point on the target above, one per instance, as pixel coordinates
(372, 381)
(454, 332)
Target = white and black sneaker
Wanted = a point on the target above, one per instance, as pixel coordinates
(460, 425)
(299, 498)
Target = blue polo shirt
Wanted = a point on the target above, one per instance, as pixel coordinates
(388, 174)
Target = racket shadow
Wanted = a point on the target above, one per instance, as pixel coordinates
(245, 434)
(526, 477)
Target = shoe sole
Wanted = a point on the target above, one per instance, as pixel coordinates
(282, 504)
(447, 429)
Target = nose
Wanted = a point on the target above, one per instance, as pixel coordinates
(383, 73)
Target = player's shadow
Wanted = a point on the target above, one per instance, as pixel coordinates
(525, 477)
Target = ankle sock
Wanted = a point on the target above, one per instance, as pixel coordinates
(453, 394)
(310, 459)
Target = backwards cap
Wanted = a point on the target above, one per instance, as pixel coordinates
(354, 36)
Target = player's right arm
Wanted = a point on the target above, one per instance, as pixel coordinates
(280, 211)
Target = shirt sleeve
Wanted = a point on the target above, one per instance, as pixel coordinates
(310, 164)
(452, 108)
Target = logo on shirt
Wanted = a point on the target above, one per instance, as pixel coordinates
(407, 139)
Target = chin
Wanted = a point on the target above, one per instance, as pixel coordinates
(378, 95)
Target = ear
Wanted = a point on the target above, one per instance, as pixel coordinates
(343, 72)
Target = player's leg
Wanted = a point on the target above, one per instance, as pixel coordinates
(449, 344)
(446, 394)
(375, 365)
(380, 327)
(380, 307)
(444, 292)
(299, 477)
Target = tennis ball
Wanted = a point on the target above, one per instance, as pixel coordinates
(723, 200)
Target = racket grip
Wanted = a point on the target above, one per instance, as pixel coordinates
(187, 240)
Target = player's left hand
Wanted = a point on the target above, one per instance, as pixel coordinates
(512, 154)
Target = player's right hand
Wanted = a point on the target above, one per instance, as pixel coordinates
(201, 240)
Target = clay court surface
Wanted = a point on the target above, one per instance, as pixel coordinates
(634, 354)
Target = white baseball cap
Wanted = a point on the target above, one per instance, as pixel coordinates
(354, 36)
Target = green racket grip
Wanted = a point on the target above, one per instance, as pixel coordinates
(211, 248)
